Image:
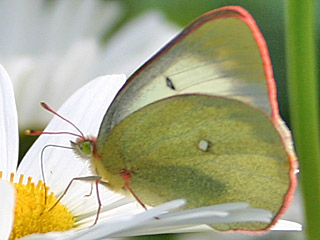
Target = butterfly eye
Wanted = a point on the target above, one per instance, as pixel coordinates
(87, 148)
(84, 149)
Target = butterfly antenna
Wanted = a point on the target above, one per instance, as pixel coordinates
(29, 132)
(42, 167)
(45, 106)
(37, 133)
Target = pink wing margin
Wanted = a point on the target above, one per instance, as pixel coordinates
(244, 15)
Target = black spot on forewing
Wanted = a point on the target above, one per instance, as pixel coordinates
(170, 83)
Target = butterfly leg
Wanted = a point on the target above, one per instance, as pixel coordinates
(96, 180)
(126, 176)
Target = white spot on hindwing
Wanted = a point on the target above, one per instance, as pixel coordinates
(203, 145)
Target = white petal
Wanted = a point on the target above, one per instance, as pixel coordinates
(88, 19)
(284, 225)
(6, 209)
(184, 221)
(296, 215)
(85, 208)
(39, 27)
(85, 109)
(135, 43)
(220, 213)
(49, 53)
(124, 226)
(42, 39)
(9, 138)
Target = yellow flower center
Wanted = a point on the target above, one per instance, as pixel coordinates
(33, 210)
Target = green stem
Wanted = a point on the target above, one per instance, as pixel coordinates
(303, 96)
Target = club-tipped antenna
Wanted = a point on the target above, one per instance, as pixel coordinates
(30, 132)
(46, 106)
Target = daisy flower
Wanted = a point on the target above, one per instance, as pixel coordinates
(120, 216)
(68, 36)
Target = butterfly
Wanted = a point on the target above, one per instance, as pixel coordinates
(200, 121)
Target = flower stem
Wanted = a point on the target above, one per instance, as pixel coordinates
(304, 108)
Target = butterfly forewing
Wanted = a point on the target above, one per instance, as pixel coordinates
(215, 55)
